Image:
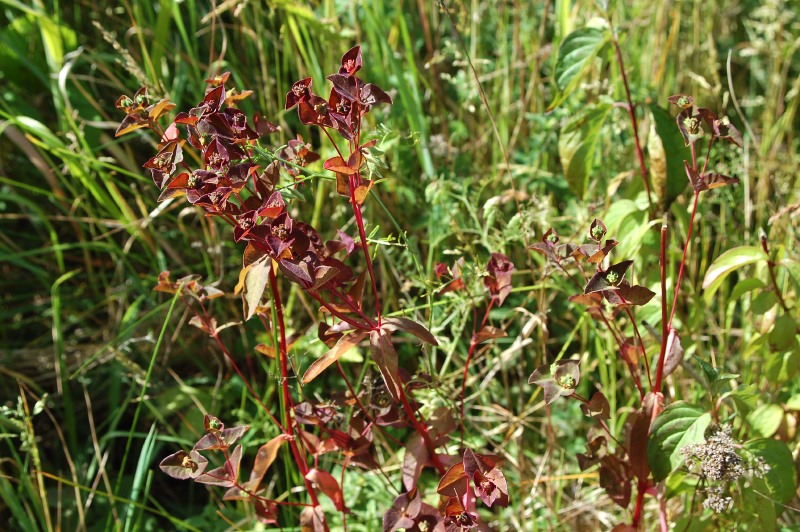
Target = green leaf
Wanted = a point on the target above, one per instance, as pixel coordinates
(667, 151)
(783, 332)
(763, 302)
(744, 398)
(744, 286)
(731, 260)
(575, 56)
(679, 425)
(765, 419)
(794, 402)
(576, 146)
(781, 478)
(709, 371)
(782, 367)
(756, 512)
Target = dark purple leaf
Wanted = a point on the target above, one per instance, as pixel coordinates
(225, 476)
(598, 407)
(608, 279)
(220, 439)
(403, 512)
(681, 100)
(635, 295)
(372, 95)
(345, 86)
(351, 62)
(300, 92)
(597, 231)
(615, 478)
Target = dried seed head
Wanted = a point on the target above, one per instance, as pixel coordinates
(716, 458)
(716, 500)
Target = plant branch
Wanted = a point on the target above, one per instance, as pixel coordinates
(634, 123)
(662, 355)
(286, 397)
(683, 259)
(771, 268)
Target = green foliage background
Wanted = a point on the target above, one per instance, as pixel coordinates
(473, 167)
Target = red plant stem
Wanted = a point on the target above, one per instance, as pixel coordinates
(247, 384)
(662, 513)
(634, 374)
(287, 397)
(662, 355)
(604, 426)
(641, 344)
(708, 155)
(348, 300)
(333, 311)
(634, 123)
(284, 359)
(422, 430)
(771, 268)
(365, 247)
(641, 486)
(683, 261)
(473, 343)
(205, 318)
(335, 146)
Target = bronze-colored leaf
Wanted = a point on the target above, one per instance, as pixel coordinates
(385, 356)
(598, 407)
(410, 326)
(328, 485)
(344, 345)
(635, 295)
(489, 333)
(454, 481)
(183, 465)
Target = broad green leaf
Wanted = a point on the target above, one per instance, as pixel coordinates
(744, 398)
(781, 478)
(575, 56)
(744, 286)
(755, 510)
(763, 302)
(765, 419)
(783, 332)
(726, 263)
(667, 152)
(679, 425)
(783, 367)
(794, 402)
(576, 146)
